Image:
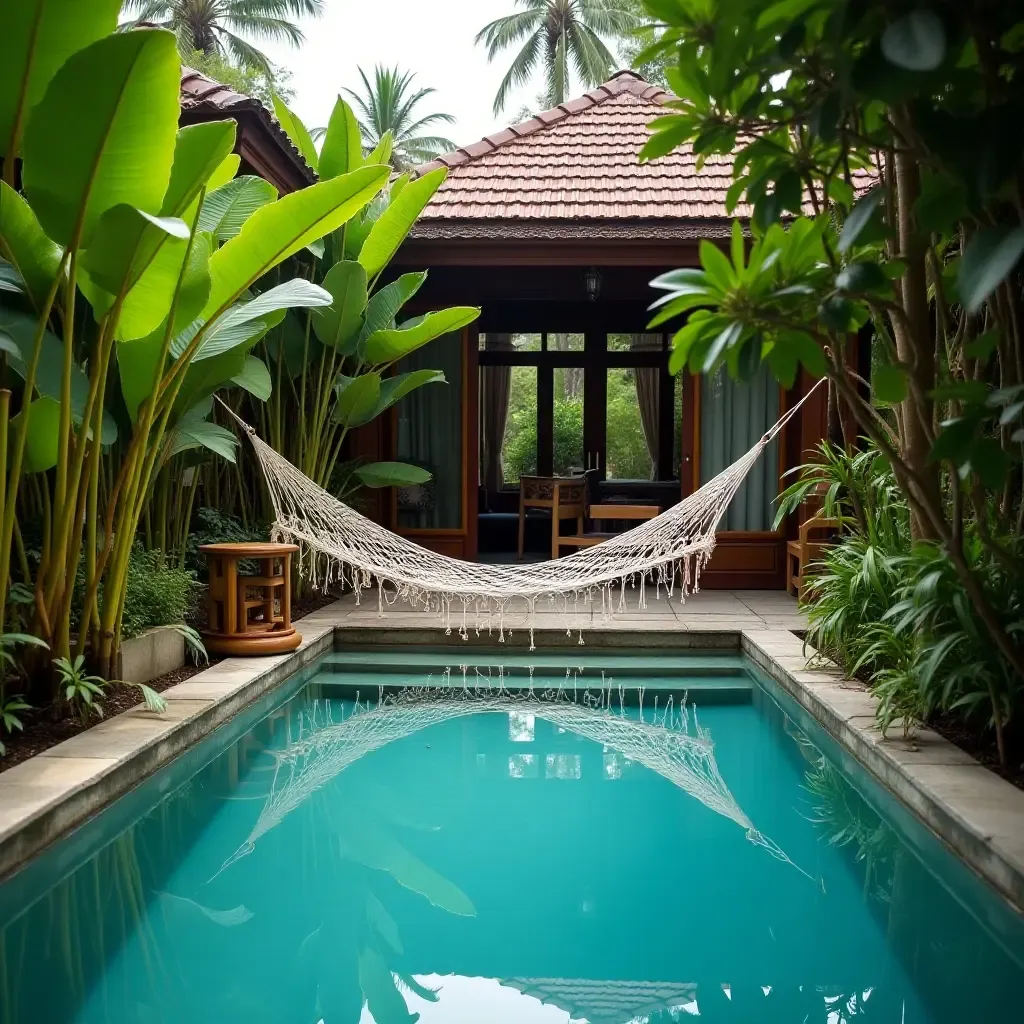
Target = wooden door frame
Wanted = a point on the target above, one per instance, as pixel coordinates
(459, 541)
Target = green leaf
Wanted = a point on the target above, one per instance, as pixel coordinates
(861, 277)
(357, 399)
(103, 133)
(382, 151)
(296, 131)
(387, 346)
(194, 431)
(941, 203)
(385, 304)
(983, 345)
(717, 266)
(859, 218)
(235, 326)
(342, 150)
(255, 378)
(391, 474)
(391, 228)
(26, 246)
(23, 638)
(50, 369)
(9, 346)
(809, 352)
(990, 255)
(36, 38)
(384, 1002)
(225, 210)
(43, 434)
(889, 384)
(955, 440)
(137, 364)
(394, 389)
(338, 325)
(917, 41)
(279, 230)
(201, 151)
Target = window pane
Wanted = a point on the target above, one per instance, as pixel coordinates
(430, 435)
(519, 434)
(503, 342)
(567, 458)
(732, 417)
(636, 342)
(565, 342)
(633, 412)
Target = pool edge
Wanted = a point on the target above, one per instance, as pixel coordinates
(975, 813)
(48, 795)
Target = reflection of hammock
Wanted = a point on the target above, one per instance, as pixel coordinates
(340, 544)
(674, 745)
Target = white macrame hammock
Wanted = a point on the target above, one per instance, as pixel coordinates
(338, 545)
(670, 741)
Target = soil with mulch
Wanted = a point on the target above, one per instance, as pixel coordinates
(982, 747)
(42, 732)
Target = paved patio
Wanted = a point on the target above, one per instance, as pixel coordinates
(708, 611)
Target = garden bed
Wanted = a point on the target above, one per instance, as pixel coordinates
(42, 731)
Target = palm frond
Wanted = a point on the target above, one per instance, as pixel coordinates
(504, 32)
(244, 54)
(264, 27)
(594, 61)
(520, 72)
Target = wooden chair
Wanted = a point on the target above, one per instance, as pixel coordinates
(606, 514)
(802, 551)
(566, 497)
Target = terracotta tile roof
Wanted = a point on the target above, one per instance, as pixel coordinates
(578, 163)
(205, 99)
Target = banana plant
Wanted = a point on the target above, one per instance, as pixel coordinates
(334, 367)
(130, 292)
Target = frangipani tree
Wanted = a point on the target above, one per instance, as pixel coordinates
(878, 148)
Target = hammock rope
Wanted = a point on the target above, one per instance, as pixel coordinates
(339, 545)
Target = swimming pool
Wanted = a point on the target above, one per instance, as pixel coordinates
(475, 837)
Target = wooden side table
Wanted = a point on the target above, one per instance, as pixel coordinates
(250, 615)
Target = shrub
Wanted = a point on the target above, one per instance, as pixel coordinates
(212, 526)
(156, 595)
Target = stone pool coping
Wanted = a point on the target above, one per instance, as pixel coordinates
(977, 814)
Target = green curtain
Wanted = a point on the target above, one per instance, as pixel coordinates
(732, 417)
(430, 434)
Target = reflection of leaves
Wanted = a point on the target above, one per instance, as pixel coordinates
(409, 982)
(383, 999)
(367, 843)
(383, 922)
(225, 918)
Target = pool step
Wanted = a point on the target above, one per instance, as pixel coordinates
(638, 664)
(350, 682)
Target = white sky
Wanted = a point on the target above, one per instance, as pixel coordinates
(433, 39)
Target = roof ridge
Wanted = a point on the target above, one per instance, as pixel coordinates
(624, 80)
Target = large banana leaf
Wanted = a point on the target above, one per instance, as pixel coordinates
(36, 37)
(50, 370)
(384, 304)
(202, 152)
(193, 430)
(357, 399)
(25, 245)
(296, 131)
(391, 474)
(255, 378)
(234, 326)
(103, 133)
(230, 206)
(338, 324)
(342, 150)
(391, 228)
(279, 230)
(388, 346)
(43, 432)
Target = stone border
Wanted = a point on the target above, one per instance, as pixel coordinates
(46, 796)
(978, 815)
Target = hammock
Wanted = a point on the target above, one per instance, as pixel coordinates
(338, 545)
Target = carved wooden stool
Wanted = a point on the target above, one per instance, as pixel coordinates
(250, 614)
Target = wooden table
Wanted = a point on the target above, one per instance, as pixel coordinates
(566, 497)
(250, 615)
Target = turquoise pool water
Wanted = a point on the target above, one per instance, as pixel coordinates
(589, 855)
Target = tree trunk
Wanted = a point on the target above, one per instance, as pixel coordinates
(914, 347)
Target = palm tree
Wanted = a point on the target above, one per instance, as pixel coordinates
(387, 105)
(217, 27)
(555, 34)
